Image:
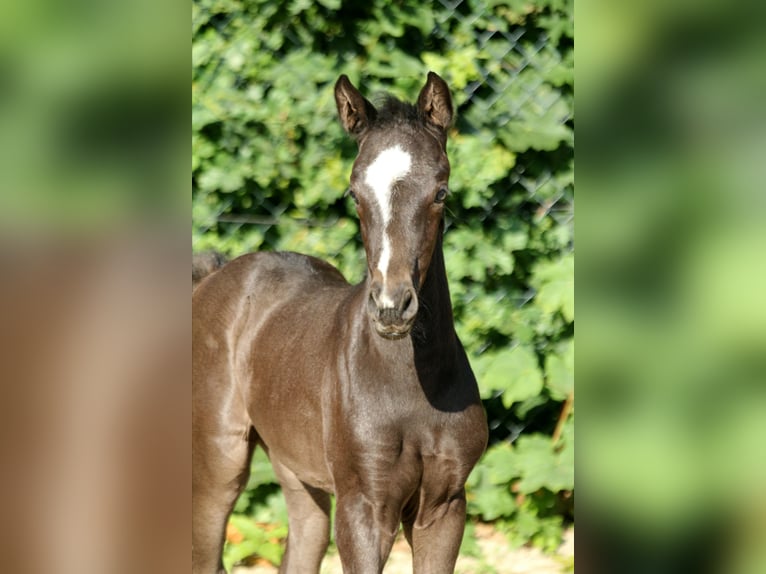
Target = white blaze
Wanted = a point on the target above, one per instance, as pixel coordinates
(391, 165)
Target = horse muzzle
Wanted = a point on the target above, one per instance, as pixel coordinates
(392, 311)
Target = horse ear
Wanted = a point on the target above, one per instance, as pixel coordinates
(435, 102)
(355, 112)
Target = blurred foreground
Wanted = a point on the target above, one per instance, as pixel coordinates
(671, 356)
(95, 405)
(94, 297)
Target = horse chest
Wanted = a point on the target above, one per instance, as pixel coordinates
(404, 436)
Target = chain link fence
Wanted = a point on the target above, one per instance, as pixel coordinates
(512, 212)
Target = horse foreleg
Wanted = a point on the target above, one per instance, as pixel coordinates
(435, 539)
(364, 535)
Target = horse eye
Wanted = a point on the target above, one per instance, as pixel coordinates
(441, 195)
(350, 192)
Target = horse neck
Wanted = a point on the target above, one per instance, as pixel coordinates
(432, 351)
(434, 324)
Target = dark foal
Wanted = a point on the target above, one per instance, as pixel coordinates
(360, 391)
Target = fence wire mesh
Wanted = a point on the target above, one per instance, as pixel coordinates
(270, 164)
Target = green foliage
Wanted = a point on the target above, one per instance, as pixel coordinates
(519, 485)
(255, 539)
(260, 504)
(270, 165)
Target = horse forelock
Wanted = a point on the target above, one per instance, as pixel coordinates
(392, 111)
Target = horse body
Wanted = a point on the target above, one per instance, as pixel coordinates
(359, 391)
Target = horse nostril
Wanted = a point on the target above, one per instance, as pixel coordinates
(409, 305)
(405, 302)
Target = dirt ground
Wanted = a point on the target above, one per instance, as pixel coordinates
(497, 557)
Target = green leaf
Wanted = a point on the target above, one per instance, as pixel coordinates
(497, 464)
(487, 499)
(554, 281)
(539, 465)
(514, 371)
(218, 178)
(559, 370)
(478, 162)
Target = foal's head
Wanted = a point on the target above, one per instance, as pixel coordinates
(399, 183)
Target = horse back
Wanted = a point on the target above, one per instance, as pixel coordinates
(264, 278)
(261, 302)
